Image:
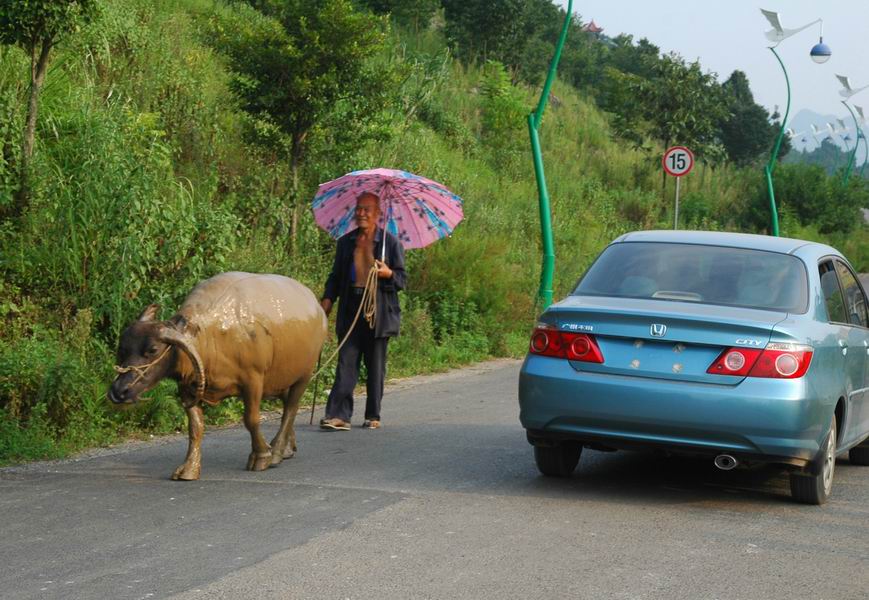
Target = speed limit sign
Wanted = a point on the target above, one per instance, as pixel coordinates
(678, 161)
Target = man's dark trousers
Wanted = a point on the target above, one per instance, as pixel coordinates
(362, 345)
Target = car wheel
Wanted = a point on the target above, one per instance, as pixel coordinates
(557, 461)
(859, 455)
(815, 489)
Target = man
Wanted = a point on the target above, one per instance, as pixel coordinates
(356, 254)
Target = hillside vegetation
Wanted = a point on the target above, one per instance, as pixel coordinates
(151, 171)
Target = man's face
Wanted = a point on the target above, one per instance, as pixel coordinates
(367, 211)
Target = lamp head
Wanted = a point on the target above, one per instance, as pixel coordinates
(821, 52)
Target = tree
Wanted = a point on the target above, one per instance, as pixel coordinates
(414, 14)
(295, 62)
(828, 155)
(584, 59)
(681, 104)
(637, 59)
(746, 131)
(486, 30)
(36, 26)
(520, 34)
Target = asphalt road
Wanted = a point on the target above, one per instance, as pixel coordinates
(444, 502)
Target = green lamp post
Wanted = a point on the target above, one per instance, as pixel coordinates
(534, 119)
(846, 92)
(820, 53)
(862, 136)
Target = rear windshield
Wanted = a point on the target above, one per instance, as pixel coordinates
(695, 273)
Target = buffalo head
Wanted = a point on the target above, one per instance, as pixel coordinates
(148, 352)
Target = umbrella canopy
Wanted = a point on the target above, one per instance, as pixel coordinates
(416, 210)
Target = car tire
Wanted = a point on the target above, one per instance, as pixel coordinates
(815, 489)
(557, 461)
(859, 455)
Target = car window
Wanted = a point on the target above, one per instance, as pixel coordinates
(699, 273)
(855, 301)
(832, 293)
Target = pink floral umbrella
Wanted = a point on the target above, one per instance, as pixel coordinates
(418, 211)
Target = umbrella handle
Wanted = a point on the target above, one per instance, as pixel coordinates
(385, 229)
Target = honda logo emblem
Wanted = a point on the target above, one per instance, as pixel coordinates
(659, 330)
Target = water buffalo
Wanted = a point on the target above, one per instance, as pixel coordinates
(236, 334)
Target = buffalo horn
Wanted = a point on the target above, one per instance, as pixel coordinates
(175, 337)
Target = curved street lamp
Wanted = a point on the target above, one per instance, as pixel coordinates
(547, 270)
(846, 92)
(820, 53)
(862, 136)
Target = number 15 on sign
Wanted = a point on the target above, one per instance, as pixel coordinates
(678, 162)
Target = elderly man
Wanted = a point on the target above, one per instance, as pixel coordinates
(354, 258)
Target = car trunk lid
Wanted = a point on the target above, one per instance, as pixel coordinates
(661, 339)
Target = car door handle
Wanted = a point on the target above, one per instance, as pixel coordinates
(844, 348)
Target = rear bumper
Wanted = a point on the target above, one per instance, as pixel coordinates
(761, 420)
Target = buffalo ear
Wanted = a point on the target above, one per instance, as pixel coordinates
(178, 322)
(150, 312)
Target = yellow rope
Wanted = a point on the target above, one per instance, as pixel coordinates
(368, 307)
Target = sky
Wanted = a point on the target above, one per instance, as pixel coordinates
(729, 34)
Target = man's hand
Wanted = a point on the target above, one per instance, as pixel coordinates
(326, 303)
(383, 271)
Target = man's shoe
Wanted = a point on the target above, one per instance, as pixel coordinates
(371, 424)
(323, 421)
(335, 425)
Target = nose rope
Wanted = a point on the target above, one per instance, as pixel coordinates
(141, 370)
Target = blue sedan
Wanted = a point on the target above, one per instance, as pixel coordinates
(746, 349)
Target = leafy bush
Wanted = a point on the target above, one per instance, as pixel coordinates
(812, 198)
(113, 197)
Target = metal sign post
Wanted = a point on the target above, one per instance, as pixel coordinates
(678, 162)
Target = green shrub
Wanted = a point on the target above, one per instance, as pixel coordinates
(133, 233)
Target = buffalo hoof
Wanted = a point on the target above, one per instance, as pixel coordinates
(279, 456)
(259, 462)
(186, 472)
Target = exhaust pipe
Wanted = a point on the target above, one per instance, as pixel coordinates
(725, 462)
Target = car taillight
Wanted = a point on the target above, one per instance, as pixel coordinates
(776, 361)
(783, 361)
(735, 361)
(561, 344)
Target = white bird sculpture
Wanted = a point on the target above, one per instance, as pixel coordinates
(778, 33)
(847, 90)
(793, 134)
